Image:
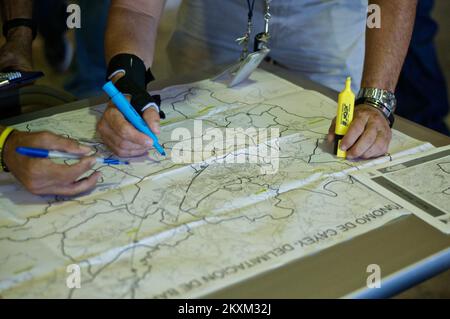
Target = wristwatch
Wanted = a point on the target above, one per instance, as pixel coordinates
(382, 100)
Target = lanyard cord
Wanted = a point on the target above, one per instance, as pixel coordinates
(250, 9)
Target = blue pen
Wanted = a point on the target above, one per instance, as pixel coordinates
(130, 114)
(43, 153)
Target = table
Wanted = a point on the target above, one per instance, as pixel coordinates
(408, 250)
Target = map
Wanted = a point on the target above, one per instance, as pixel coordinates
(164, 228)
(422, 184)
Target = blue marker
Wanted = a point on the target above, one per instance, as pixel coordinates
(43, 153)
(130, 114)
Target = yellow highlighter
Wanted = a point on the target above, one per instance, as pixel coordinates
(346, 107)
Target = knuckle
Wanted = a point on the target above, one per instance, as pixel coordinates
(356, 151)
(122, 145)
(357, 126)
(378, 149)
(121, 152)
(361, 112)
(107, 114)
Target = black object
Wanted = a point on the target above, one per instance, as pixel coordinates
(20, 22)
(14, 79)
(134, 82)
(422, 89)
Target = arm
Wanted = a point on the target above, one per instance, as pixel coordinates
(132, 28)
(42, 176)
(393, 37)
(369, 134)
(15, 54)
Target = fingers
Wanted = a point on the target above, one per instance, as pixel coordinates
(364, 142)
(78, 187)
(124, 129)
(61, 174)
(44, 177)
(71, 189)
(60, 143)
(380, 146)
(118, 145)
(152, 118)
(354, 132)
(120, 136)
(369, 134)
(73, 172)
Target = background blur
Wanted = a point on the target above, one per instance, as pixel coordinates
(84, 73)
(161, 68)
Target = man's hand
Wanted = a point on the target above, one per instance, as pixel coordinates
(15, 54)
(369, 134)
(121, 137)
(42, 176)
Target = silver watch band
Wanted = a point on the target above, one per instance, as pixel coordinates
(384, 99)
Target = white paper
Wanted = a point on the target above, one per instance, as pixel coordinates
(420, 183)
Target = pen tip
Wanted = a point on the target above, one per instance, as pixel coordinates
(163, 153)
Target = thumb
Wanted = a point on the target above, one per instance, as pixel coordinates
(60, 143)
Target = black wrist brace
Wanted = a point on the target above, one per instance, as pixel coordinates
(20, 22)
(134, 82)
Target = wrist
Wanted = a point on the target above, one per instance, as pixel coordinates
(21, 33)
(130, 66)
(24, 28)
(128, 73)
(5, 148)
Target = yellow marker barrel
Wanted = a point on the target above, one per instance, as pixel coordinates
(346, 107)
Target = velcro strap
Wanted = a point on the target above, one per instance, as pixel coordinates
(131, 65)
(134, 82)
(140, 98)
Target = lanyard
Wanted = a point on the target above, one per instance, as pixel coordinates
(262, 38)
(250, 9)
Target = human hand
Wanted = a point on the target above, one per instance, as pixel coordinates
(41, 176)
(368, 136)
(15, 54)
(120, 135)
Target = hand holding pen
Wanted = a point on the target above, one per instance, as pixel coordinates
(43, 176)
(119, 133)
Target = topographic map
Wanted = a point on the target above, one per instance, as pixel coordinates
(420, 184)
(161, 228)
